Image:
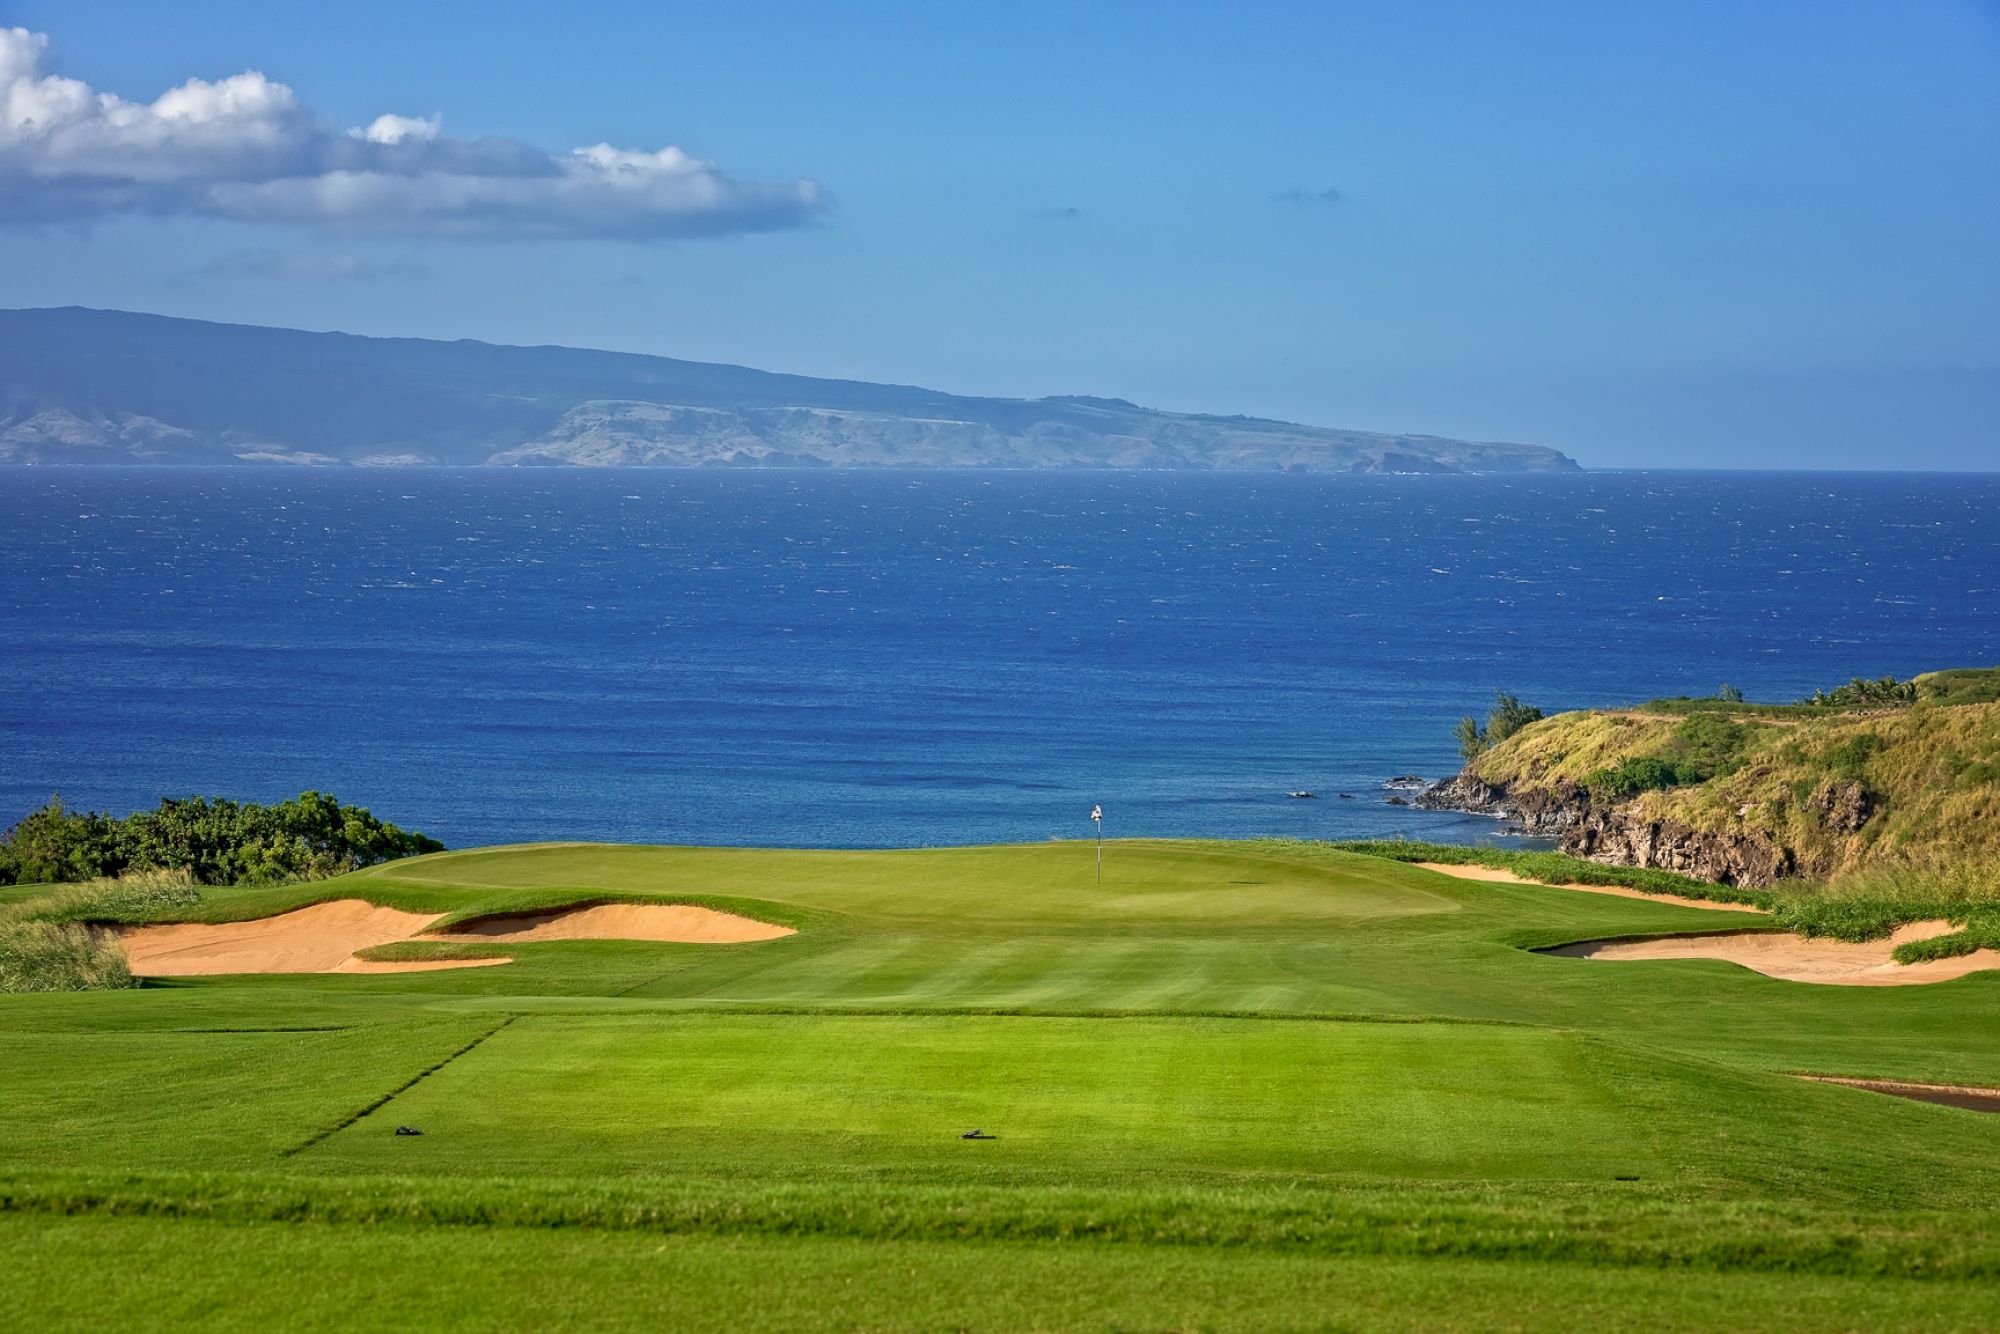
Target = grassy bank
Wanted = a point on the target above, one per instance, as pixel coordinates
(1846, 790)
(48, 941)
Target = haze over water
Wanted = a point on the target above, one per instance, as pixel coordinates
(917, 658)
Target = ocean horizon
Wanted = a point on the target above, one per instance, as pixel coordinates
(865, 659)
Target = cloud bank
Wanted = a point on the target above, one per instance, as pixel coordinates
(245, 148)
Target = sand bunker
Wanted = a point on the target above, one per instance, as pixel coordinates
(1796, 959)
(1499, 876)
(326, 937)
(682, 922)
(321, 939)
(1945, 1095)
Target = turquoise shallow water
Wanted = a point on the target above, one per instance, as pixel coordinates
(910, 658)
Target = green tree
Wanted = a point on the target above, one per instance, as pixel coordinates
(1508, 716)
(54, 843)
(1729, 694)
(213, 839)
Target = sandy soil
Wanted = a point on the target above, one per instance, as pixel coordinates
(1796, 959)
(1947, 1095)
(325, 937)
(1499, 876)
(412, 965)
(320, 939)
(681, 922)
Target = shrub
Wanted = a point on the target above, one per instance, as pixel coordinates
(1710, 745)
(1633, 775)
(1849, 759)
(214, 840)
(1857, 692)
(1508, 716)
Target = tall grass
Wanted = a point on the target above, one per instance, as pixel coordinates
(48, 943)
(1870, 903)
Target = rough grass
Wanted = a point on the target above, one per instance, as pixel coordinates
(47, 944)
(1632, 1227)
(59, 956)
(1930, 770)
(237, 1277)
(1868, 904)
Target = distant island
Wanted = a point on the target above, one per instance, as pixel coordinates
(96, 386)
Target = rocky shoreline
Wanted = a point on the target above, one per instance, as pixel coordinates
(1616, 835)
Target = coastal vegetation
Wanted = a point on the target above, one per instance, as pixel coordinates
(53, 940)
(214, 841)
(1871, 805)
(1507, 716)
(1221, 1087)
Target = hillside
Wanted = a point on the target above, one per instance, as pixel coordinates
(91, 386)
(1751, 794)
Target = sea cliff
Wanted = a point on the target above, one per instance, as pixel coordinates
(1749, 795)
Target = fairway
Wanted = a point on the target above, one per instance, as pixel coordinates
(1070, 1100)
(1233, 1086)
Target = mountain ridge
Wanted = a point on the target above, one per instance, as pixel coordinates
(79, 385)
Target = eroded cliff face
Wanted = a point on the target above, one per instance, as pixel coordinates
(1617, 835)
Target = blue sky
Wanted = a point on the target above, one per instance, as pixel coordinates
(1687, 235)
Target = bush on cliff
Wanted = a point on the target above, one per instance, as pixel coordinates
(1507, 716)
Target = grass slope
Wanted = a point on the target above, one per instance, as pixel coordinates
(1249, 1086)
(1930, 772)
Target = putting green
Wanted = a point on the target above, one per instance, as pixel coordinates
(1147, 882)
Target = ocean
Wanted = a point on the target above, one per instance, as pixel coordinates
(889, 659)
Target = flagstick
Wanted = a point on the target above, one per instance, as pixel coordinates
(1097, 819)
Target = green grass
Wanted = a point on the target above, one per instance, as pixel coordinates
(1076, 1101)
(1235, 1086)
(317, 1277)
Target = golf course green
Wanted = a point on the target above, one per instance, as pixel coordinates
(1230, 1086)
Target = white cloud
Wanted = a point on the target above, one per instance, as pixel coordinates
(389, 128)
(246, 148)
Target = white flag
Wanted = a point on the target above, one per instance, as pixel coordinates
(1097, 813)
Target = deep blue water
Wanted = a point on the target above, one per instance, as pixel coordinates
(862, 659)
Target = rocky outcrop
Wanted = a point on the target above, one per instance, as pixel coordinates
(1538, 810)
(1618, 835)
(1842, 807)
